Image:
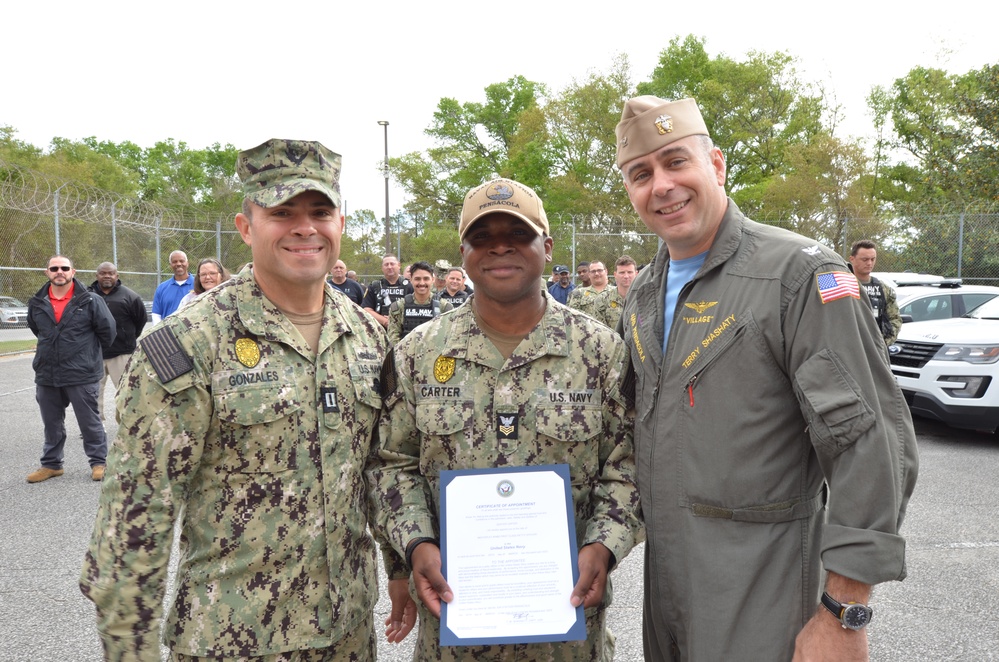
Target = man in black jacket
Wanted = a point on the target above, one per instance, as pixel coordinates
(73, 326)
(129, 315)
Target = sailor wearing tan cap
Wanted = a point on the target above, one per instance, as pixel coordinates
(509, 379)
(772, 443)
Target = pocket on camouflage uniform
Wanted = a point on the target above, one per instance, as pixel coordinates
(258, 423)
(445, 433)
(568, 434)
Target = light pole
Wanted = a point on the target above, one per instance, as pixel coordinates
(385, 170)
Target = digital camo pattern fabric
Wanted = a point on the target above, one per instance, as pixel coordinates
(453, 402)
(608, 308)
(586, 300)
(228, 421)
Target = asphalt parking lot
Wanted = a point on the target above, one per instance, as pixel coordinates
(947, 609)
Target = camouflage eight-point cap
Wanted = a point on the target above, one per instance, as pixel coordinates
(277, 170)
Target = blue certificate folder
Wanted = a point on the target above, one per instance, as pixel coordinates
(504, 486)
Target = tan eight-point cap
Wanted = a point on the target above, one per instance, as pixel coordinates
(648, 123)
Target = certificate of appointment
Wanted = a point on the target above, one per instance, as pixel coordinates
(508, 551)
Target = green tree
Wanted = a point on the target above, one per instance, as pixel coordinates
(823, 192)
(582, 151)
(473, 142)
(174, 175)
(944, 133)
(755, 110)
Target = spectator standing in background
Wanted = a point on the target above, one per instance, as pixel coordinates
(381, 293)
(129, 314)
(339, 280)
(863, 257)
(168, 294)
(210, 274)
(562, 288)
(73, 327)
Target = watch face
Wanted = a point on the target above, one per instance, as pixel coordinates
(856, 617)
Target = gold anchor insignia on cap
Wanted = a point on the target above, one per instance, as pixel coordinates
(664, 123)
(248, 352)
(443, 369)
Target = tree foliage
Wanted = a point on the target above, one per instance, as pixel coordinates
(756, 110)
(944, 132)
(473, 142)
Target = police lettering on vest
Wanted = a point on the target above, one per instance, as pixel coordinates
(385, 293)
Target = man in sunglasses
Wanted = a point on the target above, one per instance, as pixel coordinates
(74, 327)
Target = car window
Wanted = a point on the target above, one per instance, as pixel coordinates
(972, 301)
(936, 307)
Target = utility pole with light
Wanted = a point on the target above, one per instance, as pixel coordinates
(385, 170)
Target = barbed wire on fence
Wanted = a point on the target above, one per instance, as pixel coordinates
(34, 192)
(138, 235)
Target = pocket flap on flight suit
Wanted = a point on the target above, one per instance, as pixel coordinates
(770, 513)
(833, 404)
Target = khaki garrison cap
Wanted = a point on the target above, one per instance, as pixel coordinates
(504, 196)
(277, 170)
(648, 123)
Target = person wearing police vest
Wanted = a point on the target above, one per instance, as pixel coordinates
(414, 309)
(863, 256)
(381, 293)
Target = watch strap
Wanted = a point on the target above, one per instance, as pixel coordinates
(839, 610)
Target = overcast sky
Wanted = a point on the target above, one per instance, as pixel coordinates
(220, 71)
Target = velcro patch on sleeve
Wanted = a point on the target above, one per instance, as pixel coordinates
(166, 355)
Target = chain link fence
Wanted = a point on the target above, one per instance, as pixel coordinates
(41, 216)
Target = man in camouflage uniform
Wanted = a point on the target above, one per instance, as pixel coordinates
(610, 304)
(509, 352)
(586, 299)
(250, 415)
(418, 308)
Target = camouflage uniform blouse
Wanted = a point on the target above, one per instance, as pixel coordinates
(446, 387)
(587, 300)
(228, 423)
(608, 310)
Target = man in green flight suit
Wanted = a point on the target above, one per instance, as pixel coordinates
(775, 452)
(249, 416)
(551, 374)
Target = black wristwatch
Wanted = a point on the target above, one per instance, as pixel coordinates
(852, 615)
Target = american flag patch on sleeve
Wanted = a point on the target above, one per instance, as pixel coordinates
(836, 285)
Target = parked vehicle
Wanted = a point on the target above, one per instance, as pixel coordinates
(921, 304)
(13, 313)
(948, 369)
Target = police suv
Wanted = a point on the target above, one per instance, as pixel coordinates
(948, 369)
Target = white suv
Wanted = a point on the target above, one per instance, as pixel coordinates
(948, 369)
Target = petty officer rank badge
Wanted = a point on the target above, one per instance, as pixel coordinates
(507, 425)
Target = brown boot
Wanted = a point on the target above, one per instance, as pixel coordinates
(38, 475)
(97, 472)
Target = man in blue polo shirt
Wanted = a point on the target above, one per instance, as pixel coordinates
(171, 291)
(562, 287)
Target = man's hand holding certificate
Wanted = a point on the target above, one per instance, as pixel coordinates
(509, 552)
